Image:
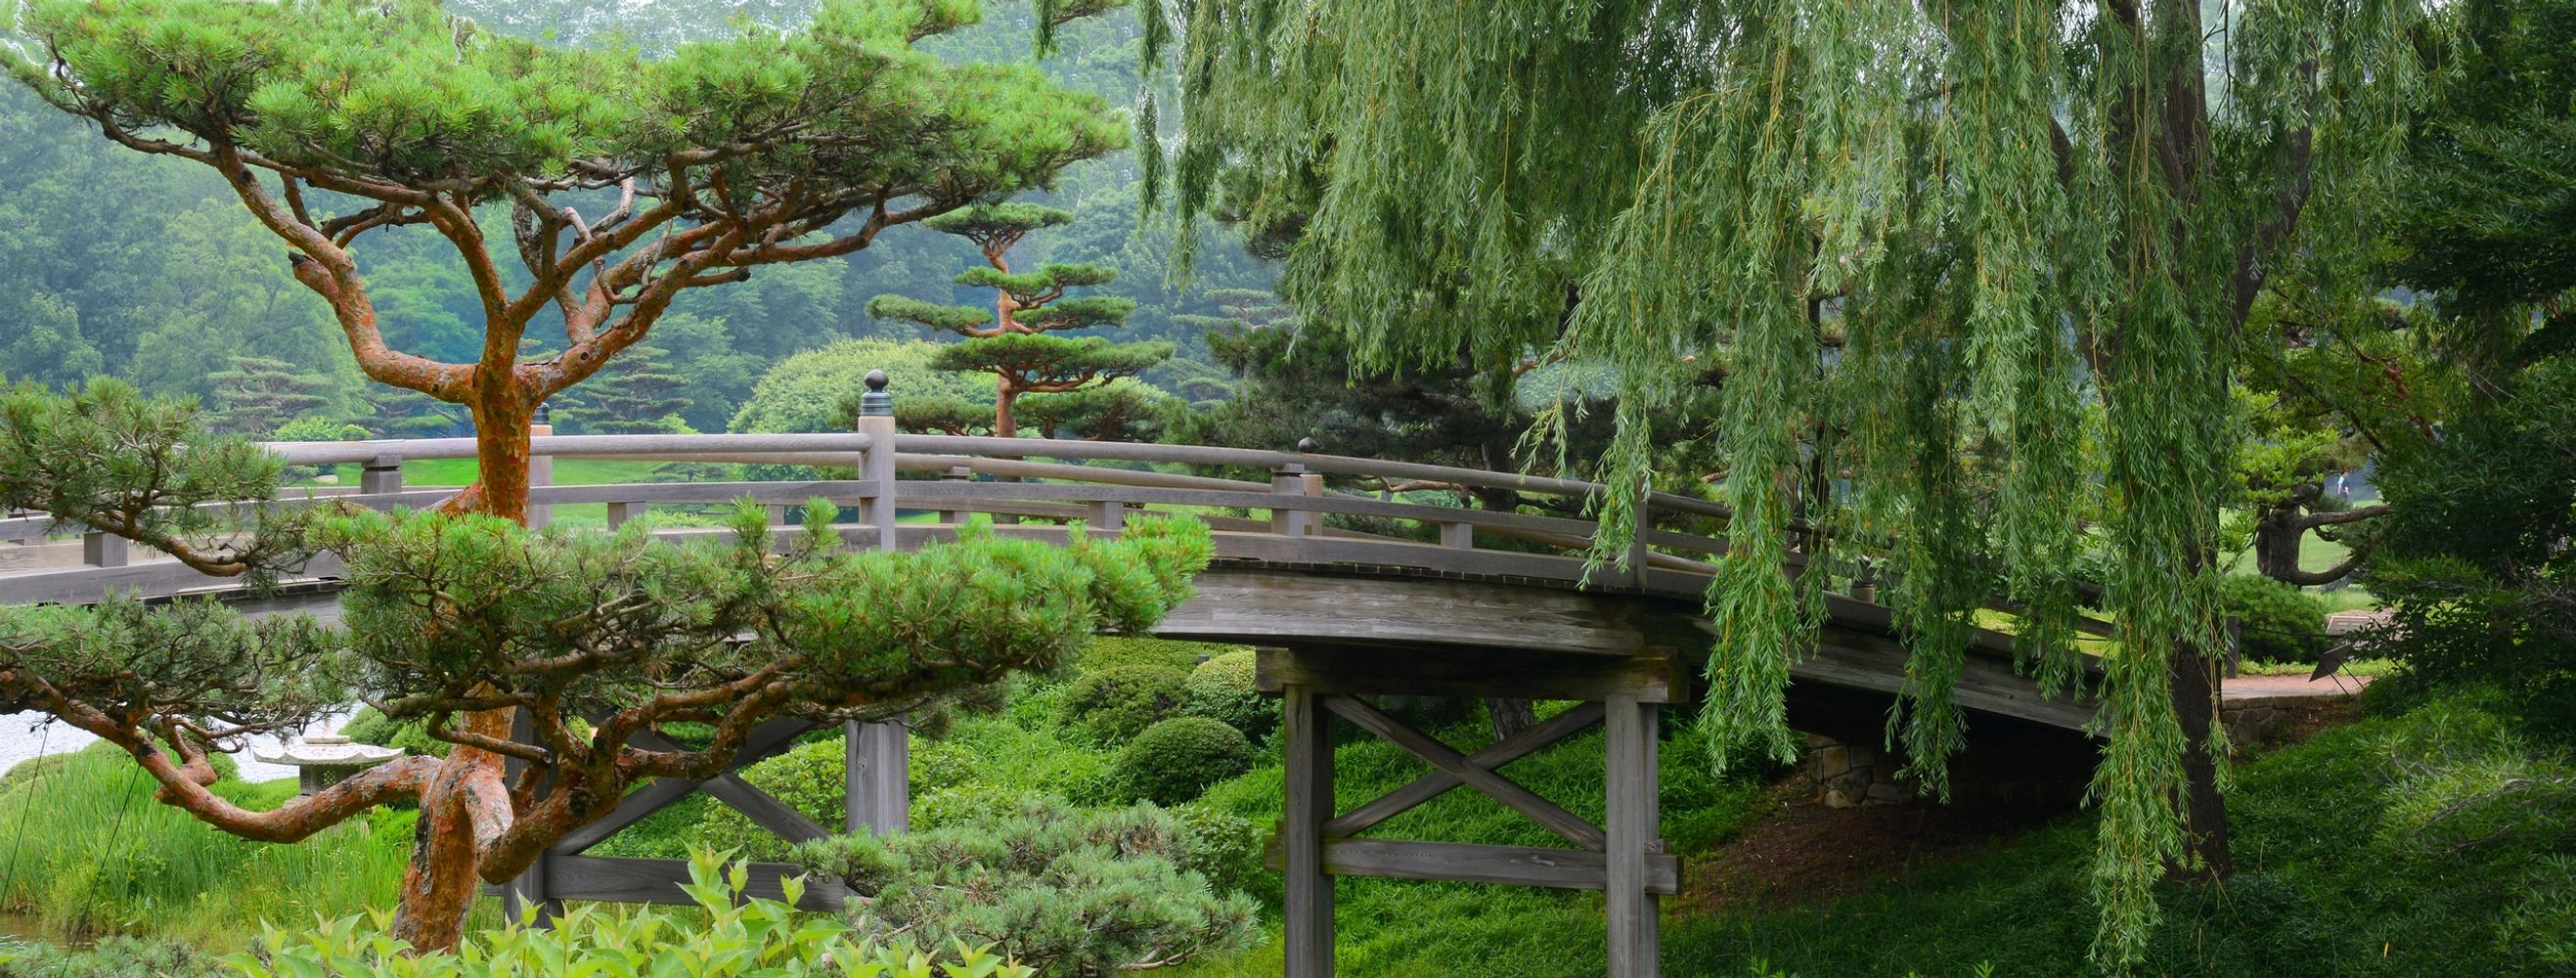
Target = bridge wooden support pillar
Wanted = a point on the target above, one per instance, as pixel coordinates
(1624, 858)
(877, 772)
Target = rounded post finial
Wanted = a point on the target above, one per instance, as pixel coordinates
(1307, 445)
(545, 414)
(876, 403)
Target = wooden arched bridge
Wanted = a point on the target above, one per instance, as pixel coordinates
(1349, 595)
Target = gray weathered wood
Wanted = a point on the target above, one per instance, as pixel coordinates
(40, 555)
(1489, 675)
(1458, 536)
(565, 446)
(381, 474)
(1305, 607)
(105, 550)
(1433, 785)
(1566, 869)
(541, 472)
(1630, 806)
(877, 766)
(1306, 737)
(1448, 761)
(631, 880)
(1290, 480)
(620, 512)
(876, 472)
(1107, 517)
(1090, 474)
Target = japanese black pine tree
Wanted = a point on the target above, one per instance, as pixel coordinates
(1016, 340)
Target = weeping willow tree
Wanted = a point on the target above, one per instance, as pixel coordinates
(1927, 243)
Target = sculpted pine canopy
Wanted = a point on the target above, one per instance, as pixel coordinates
(624, 180)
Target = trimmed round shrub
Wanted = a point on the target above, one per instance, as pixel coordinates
(1173, 761)
(2281, 622)
(1112, 706)
(1220, 689)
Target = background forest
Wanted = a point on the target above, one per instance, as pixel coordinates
(147, 269)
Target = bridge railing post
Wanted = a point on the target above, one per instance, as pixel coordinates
(1637, 553)
(876, 465)
(381, 475)
(541, 468)
(876, 757)
(100, 549)
(955, 473)
(1292, 479)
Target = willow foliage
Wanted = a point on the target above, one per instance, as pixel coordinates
(1934, 245)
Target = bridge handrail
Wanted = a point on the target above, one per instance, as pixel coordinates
(569, 446)
(1293, 497)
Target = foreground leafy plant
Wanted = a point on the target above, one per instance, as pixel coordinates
(728, 935)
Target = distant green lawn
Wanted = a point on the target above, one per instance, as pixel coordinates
(446, 472)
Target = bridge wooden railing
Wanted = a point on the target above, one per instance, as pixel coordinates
(1290, 519)
(1034, 486)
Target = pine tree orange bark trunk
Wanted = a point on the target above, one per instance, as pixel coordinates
(446, 862)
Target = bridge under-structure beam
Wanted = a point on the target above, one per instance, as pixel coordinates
(1334, 637)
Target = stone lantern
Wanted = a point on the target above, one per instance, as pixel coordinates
(322, 761)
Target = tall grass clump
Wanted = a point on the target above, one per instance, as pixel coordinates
(86, 851)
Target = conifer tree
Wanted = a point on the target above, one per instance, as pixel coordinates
(623, 181)
(639, 396)
(259, 395)
(1016, 341)
(626, 179)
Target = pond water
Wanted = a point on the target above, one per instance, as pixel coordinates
(26, 736)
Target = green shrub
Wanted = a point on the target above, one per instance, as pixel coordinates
(369, 726)
(1065, 891)
(723, 937)
(1176, 760)
(811, 777)
(1220, 689)
(1223, 847)
(1112, 706)
(960, 805)
(320, 429)
(1111, 651)
(2281, 622)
